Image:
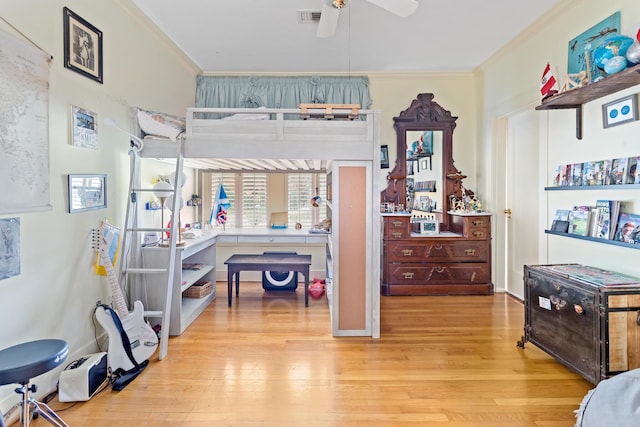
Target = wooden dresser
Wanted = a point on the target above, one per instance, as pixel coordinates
(454, 262)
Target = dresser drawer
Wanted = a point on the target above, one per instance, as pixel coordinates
(472, 227)
(447, 273)
(437, 251)
(396, 227)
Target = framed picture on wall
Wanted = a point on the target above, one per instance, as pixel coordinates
(87, 192)
(84, 128)
(620, 111)
(384, 157)
(82, 46)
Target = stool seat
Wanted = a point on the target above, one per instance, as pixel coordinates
(20, 363)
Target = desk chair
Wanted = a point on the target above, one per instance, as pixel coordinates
(20, 363)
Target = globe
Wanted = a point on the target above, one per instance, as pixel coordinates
(615, 65)
(633, 53)
(610, 47)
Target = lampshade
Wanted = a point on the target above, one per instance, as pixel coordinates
(162, 189)
(172, 179)
(169, 202)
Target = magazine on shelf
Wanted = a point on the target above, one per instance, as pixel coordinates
(628, 230)
(593, 221)
(633, 175)
(561, 220)
(576, 174)
(579, 220)
(604, 218)
(606, 172)
(565, 175)
(592, 173)
(619, 170)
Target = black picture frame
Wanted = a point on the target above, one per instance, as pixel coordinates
(82, 46)
(384, 157)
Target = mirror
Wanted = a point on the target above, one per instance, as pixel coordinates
(420, 179)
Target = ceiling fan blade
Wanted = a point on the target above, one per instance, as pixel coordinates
(328, 21)
(402, 8)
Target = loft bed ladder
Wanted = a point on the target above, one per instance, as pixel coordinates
(133, 274)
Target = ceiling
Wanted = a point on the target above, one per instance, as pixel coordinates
(260, 36)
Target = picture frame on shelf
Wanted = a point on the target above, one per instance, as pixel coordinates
(87, 192)
(620, 111)
(82, 46)
(84, 128)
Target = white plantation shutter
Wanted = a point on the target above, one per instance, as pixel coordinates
(254, 200)
(228, 181)
(301, 188)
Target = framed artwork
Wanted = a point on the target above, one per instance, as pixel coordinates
(87, 192)
(84, 128)
(581, 48)
(620, 111)
(384, 157)
(82, 46)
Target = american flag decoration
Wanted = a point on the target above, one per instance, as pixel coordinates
(220, 207)
(547, 83)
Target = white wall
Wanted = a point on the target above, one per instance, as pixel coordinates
(54, 295)
(509, 83)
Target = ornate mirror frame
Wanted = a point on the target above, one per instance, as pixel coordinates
(422, 115)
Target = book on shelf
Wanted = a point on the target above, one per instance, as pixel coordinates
(192, 266)
(561, 220)
(633, 175)
(593, 221)
(618, 170)
(603, 220)
(592, 172)
(565, 175)
(579, 220)
(556, 180)
(606, 172)
(628, 230)
(576, 174)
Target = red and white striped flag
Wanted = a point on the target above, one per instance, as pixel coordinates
(548, 81)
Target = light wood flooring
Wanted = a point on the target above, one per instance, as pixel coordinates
(269, 361)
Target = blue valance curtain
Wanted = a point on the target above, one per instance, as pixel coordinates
(280, 91)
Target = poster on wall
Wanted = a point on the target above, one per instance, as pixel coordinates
(9, 247)
(24, 128)
(581, 47)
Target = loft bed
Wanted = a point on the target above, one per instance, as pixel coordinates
(249, 139)
(282, 140)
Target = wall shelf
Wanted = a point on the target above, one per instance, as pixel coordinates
(576, 97)
(593, 187)
(593, 239)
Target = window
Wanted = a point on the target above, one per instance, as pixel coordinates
(254, 200)
(249, 198)
(301, 187)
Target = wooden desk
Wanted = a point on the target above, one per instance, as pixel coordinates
(267, 262)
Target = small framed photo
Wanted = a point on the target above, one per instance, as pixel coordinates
(429, 226)
(84, 128)
(87, 192)
(620, 111)
(82, 46)
(384, 157)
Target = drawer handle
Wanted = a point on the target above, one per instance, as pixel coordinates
(478, 233)
(397, 234)
(407, 252)
(396, 223)
(408, 275)
(478, 222)
(578, 308)
(469, 252)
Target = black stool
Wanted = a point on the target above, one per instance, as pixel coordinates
(20, 363)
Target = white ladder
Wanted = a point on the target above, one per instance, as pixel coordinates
(132, 270)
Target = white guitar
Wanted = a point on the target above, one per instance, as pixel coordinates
(142, 337)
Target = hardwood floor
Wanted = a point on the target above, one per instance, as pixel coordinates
(269, 361)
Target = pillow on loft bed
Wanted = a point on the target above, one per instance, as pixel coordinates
(248, 116)
(160, 124)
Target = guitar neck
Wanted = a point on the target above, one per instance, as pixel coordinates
(116, 293)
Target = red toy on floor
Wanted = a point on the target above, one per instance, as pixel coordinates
(316, 289)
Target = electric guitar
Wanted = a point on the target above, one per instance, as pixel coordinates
(142, 337)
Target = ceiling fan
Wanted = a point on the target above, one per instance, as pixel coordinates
(331, 12)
